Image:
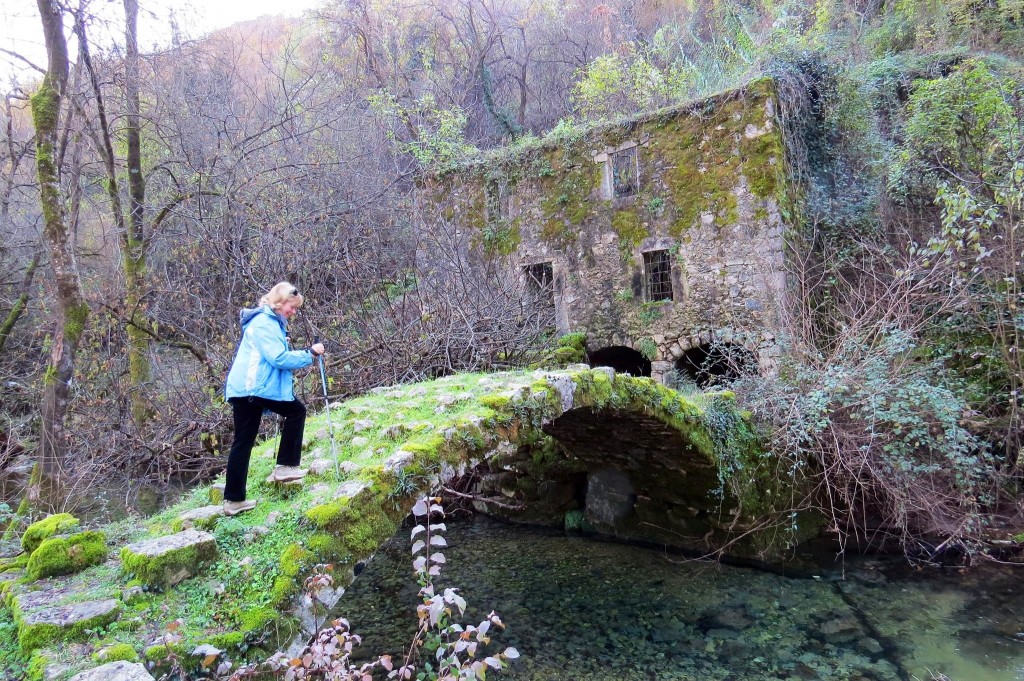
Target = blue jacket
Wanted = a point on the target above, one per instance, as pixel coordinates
(263, 364)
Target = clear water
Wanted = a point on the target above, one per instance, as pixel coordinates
(582, 609)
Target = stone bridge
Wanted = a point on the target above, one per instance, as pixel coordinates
(583, 448)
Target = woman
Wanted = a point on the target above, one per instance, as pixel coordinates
(261, 379)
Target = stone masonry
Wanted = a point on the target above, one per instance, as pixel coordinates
(658, 234)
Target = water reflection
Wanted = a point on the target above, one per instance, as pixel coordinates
(583, 609)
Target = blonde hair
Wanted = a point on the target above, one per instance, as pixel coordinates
(280, 293)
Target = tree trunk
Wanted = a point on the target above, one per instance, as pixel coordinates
(72, 310)
(134, 240)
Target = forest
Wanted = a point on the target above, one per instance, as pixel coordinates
(146, 196)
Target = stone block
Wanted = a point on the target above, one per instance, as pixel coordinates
(115, 671)
(67, 555)
(203, 517)
(217, 493)
(41, 624)
(164, 561)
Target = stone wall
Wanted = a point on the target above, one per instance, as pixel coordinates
(704, 183)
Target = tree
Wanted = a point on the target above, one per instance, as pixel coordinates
(48, 104)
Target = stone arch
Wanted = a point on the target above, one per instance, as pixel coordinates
(623, 359)
(714, 363)
(763, 351)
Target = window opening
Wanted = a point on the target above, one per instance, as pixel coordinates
(625, 172)
(622, 359)
(540, 279)
(716, 364)
(658, 275)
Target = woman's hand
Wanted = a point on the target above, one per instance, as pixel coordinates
(317, 349)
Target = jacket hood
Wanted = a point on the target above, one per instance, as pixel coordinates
(246, 315)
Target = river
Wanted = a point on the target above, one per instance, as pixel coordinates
(576, 608)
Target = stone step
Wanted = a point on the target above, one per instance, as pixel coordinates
(165, 561)
(115, 671)
(41, 622)
(203, 518)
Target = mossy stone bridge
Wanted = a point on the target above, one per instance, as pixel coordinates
(585, 448)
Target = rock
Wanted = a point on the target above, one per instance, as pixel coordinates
(722, 634)
(610, 496)
(398, 461)
(359, 425)
(203, 517)
(869, 645)
(41, 624)
(50, 526)
(67, 555)
(578, 367)
(418, 391)
(115, 671)
(733, 618)
(349, 467)
(360, 442)
(320, 466)
(841, 630)
(217, 493)
(351, 489)
(272, 517)
(396, 430)
(164, 561)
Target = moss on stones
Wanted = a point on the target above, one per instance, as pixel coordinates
(116, 653)
(34, 634)
(631, 231)
(50, 526)
(168, 567)
(67, 555)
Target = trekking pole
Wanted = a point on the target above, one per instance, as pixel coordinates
(327, 406)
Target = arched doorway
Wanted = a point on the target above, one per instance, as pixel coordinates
(624, 360)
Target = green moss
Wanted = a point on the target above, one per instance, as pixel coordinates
(574, 521)
(160, 571)
(231, 640)
(648, 348)
(43, 634)
(576, 339)
(67, 555)
(496, 402)
(294, 560)
(37, 664)
(626, 223)
(258, 618)
(327, 547)
(59, 523)
(115, 653)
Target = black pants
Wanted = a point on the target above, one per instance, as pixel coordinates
(248, 411)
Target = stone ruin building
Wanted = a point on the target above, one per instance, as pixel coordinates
(659, 237)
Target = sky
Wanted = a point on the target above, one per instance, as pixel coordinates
(21, 31)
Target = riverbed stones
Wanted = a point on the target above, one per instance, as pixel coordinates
(165, 561)
(841, 630)
(115, 671)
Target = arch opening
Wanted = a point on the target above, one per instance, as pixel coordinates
(622, 359)
(716, 364)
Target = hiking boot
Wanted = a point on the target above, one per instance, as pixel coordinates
(236, 507)
(286, 474)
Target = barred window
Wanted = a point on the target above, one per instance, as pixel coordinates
(625, 172)
(658, 275)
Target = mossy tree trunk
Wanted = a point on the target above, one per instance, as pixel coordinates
(20, 303)
(131, 231)
(72, 310)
